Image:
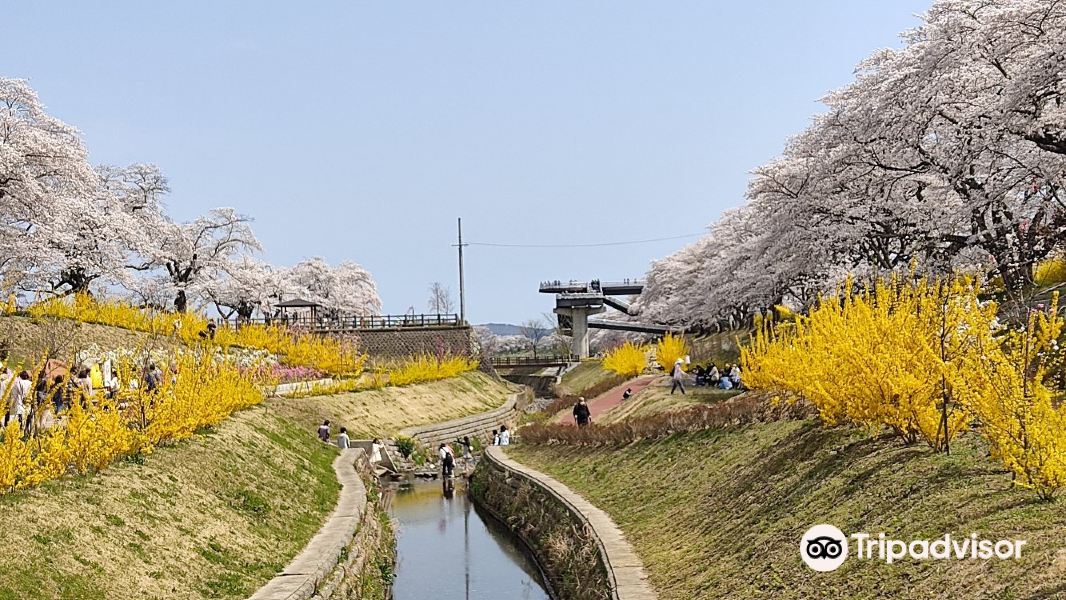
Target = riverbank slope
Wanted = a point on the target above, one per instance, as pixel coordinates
(720, 514)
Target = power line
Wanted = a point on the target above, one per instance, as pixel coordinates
(626, 243)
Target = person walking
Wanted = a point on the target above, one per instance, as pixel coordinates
(678, 375)
(447, 461)
(468, 451)
(505, 436)
(342, 439)
(582, 414)
(20, 394)
(376, 447)
(323, 431)
(59, 394)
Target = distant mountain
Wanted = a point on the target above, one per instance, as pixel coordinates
(507, 329)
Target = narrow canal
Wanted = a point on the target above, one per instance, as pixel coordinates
(448, 550)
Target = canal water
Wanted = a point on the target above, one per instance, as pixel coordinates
(447, 549)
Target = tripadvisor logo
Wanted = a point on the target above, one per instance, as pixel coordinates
(824, 548)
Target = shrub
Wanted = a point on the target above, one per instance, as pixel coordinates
(301, 349)
(627, 360)
(925, 358)
(670, 348)
(1050, 272)
(406, 446)
(199, 393)
(735, 412)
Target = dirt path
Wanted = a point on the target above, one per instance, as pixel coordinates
(608, 400)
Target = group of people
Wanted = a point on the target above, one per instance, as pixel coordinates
(500, 437)
(727, 379)
(27, 395)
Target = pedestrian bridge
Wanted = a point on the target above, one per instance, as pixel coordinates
(576, 301)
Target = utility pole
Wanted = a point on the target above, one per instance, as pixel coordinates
(462, 282)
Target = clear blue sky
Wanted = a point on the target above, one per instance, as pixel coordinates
(361, 130)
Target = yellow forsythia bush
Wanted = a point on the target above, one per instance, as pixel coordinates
(416, 369)
(199, 392)
(670, 348)
(300, 349)
(627, 360)
(924, 358)
(423, 368)
(1050, 271)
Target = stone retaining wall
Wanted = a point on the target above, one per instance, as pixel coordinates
(583, 553)
(476, 426)
(333, 562)
(399, 343)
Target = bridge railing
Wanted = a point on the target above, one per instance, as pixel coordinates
(579, 287)
(529, 361)
(345, 322)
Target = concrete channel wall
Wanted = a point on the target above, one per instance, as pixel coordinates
(479, 425)
(337, 555)
(595, 563)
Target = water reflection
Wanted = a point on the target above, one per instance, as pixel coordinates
(448, 551)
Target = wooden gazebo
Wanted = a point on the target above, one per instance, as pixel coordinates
(298, 303)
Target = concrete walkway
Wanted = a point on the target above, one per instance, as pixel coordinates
(624, 568)
(608, 400)
(301, 578)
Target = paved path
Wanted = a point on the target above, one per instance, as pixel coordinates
(325, 551)
(608, 400)
(624, 568)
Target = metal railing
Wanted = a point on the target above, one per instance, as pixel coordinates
(529, 361)
(351, 322)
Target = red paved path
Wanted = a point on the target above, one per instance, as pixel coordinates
(608, 400)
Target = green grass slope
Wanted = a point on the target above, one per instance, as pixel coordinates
(212, 517)
(720, 514)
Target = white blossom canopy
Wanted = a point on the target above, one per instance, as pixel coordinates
(947, 153)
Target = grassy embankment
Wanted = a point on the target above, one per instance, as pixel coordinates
(720, 513)
(587, 379)
(214, 516)
(656, 398)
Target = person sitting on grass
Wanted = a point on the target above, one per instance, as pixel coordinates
(323, 431)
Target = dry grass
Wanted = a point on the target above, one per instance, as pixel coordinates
(30, 337)
(383, 412)
(719, 514)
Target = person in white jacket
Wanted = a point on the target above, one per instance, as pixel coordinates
(20, 394)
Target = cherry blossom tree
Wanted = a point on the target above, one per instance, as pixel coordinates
(947, 153)
(347, 288)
